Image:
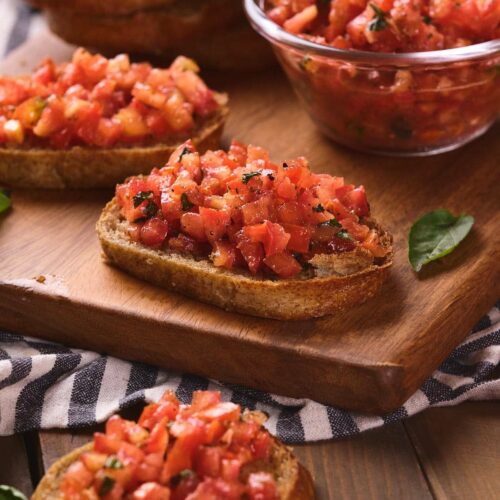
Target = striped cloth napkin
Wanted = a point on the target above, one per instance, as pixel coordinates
(45, 385)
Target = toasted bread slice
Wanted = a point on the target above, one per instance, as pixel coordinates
(99, 8)
(222, 41)
(293, 480)
(328, 287)
(81, 167)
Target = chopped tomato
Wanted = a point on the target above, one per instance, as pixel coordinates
(154, 232)
(229, 208)
(102, 102)
(200, 454)
(151, 491)
(283, 264)
(261, 486)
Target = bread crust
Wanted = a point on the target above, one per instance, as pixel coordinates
(290, 299)
(222, 41)
(100, 8)
(294, 481)
(84, 168)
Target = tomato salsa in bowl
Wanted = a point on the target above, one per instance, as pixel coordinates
(399, 77)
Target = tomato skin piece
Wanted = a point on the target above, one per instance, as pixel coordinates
(181, 455)
(192, 224)
(224, 254)
(261, 486)
(154, 232)
(271, 235)
(151, 491)
(208, 461)
(300, 237)
(77, 478)
(253, 253)
(355, 200)
(283, 264)
(256, 211)
(215, 223)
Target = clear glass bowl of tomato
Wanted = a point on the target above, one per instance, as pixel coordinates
(401, 104)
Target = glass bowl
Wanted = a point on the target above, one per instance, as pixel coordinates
(407, 104)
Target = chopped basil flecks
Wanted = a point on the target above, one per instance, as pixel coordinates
(183, 474)
(142, 196)
(150, 209)
(401, 128)
(113, 463)
(331, 222)
(435, 235)
(427, 19)
(379, 22)
(344, 234)
(270, 177)
(106, 486)
(186, 204)
(285, 164)
(5, 201)
(185, 151)
(319, 208)
(246, 177)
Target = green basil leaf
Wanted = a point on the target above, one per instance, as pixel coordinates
(435, 235)
(5, 201)
(10, 493)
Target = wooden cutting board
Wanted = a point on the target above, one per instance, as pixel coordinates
(55, 285)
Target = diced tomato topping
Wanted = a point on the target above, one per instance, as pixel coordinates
(240, 210)
(283, 264)
(176, 452)
(261, 486)
(99, 102)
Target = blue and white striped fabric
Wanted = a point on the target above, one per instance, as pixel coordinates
(18, 22)
(44, 385)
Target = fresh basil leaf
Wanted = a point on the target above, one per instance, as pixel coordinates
(379, 22)
(246, 177)
(186, 204)
(435, 235)
(344, 234)
(10, 493)
(113, 462)
(108, 483)
(141, 196)
(5, 201)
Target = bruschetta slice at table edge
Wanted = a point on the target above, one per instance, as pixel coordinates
(210, 449)
(92, 122)
(238, 231)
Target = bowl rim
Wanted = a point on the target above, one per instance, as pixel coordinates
(277, 35)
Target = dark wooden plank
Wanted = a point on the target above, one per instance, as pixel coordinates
(459, 449)
(55, 444)
(14, 467)
(379, 464)
(370, 358)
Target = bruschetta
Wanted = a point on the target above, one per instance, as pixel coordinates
(238, 231)
(207, 450)
(94, 121)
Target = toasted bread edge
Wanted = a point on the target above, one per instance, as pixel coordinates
(290, 299)
(294, 481)
(86, 168)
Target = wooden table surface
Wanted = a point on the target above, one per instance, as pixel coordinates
(443, 453)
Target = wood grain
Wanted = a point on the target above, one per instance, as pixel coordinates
(14, 468)
(370, 358)
(459, 450)
(374, 466)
